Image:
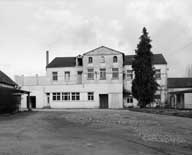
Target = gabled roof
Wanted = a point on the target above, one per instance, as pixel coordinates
(62, 62)
(101, 49)
(179, 82)
(158, 59)
(4, 79)
(71, 61)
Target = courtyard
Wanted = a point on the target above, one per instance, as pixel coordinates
(95, 132)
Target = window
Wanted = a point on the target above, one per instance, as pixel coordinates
(102, 74)
(158, 74)
(115, 73)
(102, 59)
(90, 74)
(79, 62)
(129, 74)
(75, 96)
(56, 96)
(115, 59)
(67, 76)
(90, 60)
(90, 96)
(66, 96)
(54, 76)
(79, 76)
(129, 99)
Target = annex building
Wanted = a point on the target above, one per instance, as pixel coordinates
(99, 78)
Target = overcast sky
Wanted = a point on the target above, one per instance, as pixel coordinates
(70, 27)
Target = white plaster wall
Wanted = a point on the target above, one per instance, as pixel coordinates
(108, 65)
(61, 76)
(188, 100)
(31, 80)
(39, 92)
(116, 100)
(41, 100)
(126, 105)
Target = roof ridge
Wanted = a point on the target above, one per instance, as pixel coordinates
(66, 57)
(135, 54)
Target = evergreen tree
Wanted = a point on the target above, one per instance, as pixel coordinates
(144, 85)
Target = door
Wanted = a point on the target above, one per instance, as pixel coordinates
(48, 99)
(103, 99)
(32, 100)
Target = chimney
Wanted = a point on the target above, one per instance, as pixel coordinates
(47, 58)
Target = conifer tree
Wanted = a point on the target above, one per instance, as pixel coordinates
(144, 84)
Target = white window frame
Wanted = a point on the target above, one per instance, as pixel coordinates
(90, 96)
(130, 99)
(56, 96)
(66, 96)
(90, 74)
(115, 59)
(75, 96)
(158, 74)
(67, 75)
(55, 76)
(90, 60)
(129, 74)
(115, 73)
(102, 73)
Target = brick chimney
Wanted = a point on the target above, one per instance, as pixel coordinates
(47, 58)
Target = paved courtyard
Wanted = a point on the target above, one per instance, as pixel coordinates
(95, 132)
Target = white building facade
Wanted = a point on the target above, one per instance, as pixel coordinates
(100, 78)
(180, 92)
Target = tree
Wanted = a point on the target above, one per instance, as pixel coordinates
(144, 84)
(189, 70)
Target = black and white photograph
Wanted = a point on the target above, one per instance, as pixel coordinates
(95, 77)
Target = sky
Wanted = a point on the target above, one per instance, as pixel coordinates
(71, 27)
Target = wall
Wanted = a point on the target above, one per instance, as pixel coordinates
(108, 65)
(186, 93)
(188, 100)
(32, 80)
(113, 91)
(61, 76)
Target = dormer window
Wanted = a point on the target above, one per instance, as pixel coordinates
(90, 60)
(79, 62)
(115, 59)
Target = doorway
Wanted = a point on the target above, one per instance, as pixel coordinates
(48, 99)
(32, 100)
(103, 99)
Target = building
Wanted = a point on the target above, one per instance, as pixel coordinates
(100, 78)
(180, 92)
(10, 94)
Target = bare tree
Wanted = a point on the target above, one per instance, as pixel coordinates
(189, 70)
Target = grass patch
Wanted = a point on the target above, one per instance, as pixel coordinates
(170, 112)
